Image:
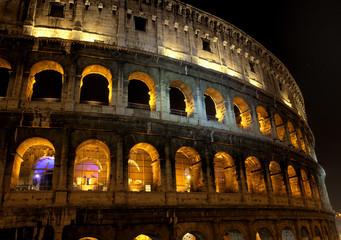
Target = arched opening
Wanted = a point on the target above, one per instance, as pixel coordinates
(144, 173)
(288, 234)
(48, 233)
(233, 235)
(254, 176)
(96, 85)
(314, 185)
(179, 94)
(308, 147)
(141, 91)
(305, 234)
(91, 167)
(263, 120)
(242, 113)
(225, 173)
(194, 236)
(88, 238)
(280, 127)
(293, 182)
(33, 165)
(94, 89)
(293, 136)
(277, 181)
(188, 170)
(142, 237)
(264, 234)
(5, 67)
(318, 235)
(215, 105)
(45, 81)
(306, 184)
(303, 144)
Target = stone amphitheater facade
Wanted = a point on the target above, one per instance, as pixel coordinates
(150, 119)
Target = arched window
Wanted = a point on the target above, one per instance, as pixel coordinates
(280, 128)
(305, 234)
(254, 176)
(33, 165)
(144, 172)
(242, 113)
(303, 144)
(225, 173)
(180, 93)
(293, 182)
(188, 170)
(293, 136)
(195, 235)
(264, 234)
(215, 105)
(306, 184)
(141, 91)
(276, 176)
(142, 237)
(96, 85)
(233, 235)
(288, 234)
(5, 67)
(263, 120)
(45, 81)
(91, 167)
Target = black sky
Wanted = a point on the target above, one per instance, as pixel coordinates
(306, 37)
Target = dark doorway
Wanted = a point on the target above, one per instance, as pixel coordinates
(138, 96)
(95, 89)
(48, 86)
(177, 102)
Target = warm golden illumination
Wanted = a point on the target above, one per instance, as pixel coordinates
(263, 120)
(219, 103)
(91, 167)
(150, 84)
(187, 92)
(144, 173)
(39, 67)
(294, 182)
(276, 175)
(5, 64)
(254, 176)
(293, 136)
(225, 173)
(306, 184)
(188, 170)
(302, 142)
(142, 237)
(242, 113)
(188, 236)
(280, 127)
(98, 69)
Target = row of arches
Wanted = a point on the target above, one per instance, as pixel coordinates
(46, 79)
(35, 160)
(263, 233)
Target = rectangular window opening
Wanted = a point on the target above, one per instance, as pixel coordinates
(56, 10)
(206, 45)
(140, 24)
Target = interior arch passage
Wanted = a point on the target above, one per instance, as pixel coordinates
(242, 113)
(91, 167)
(254, 176)
(263, 120)
(176, 99)
(280, 127)
(277, 180)
(215, 104)
(5, 68)
(188, 170)
(225, 173)
(144, 173)
(294, 182)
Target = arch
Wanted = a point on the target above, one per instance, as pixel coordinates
(188, 96)
(98, 69)
(38, 68)
(254, 176)
(263, 120)
(233, 235)
(280, 127)
(94, 89)
(27, 154)
(306, 184)
(88, 238)
(218, 102)
(5, 68)
(143, 237)
(92, 166)
(276, 176)
(314, 186)
(307, 145)
(264, 234)
(242, 113)
(292, 133)
(225, 173)
(194, 235)
(318, 235)
(188, 170)
(294, 182)
(302, 142)
(148, 80)
(288, 234)
(144, 173)
(305, 235)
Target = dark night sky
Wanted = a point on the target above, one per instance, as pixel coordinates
(306, 37)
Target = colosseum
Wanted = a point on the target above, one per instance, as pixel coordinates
(150, 120)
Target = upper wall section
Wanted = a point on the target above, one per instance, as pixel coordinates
(168, 28)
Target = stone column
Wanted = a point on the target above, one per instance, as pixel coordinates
(3, 160)
(240, 164)
(287, 184)
(168, 166)
(119, 181)
(208, 166)
(268, 183)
